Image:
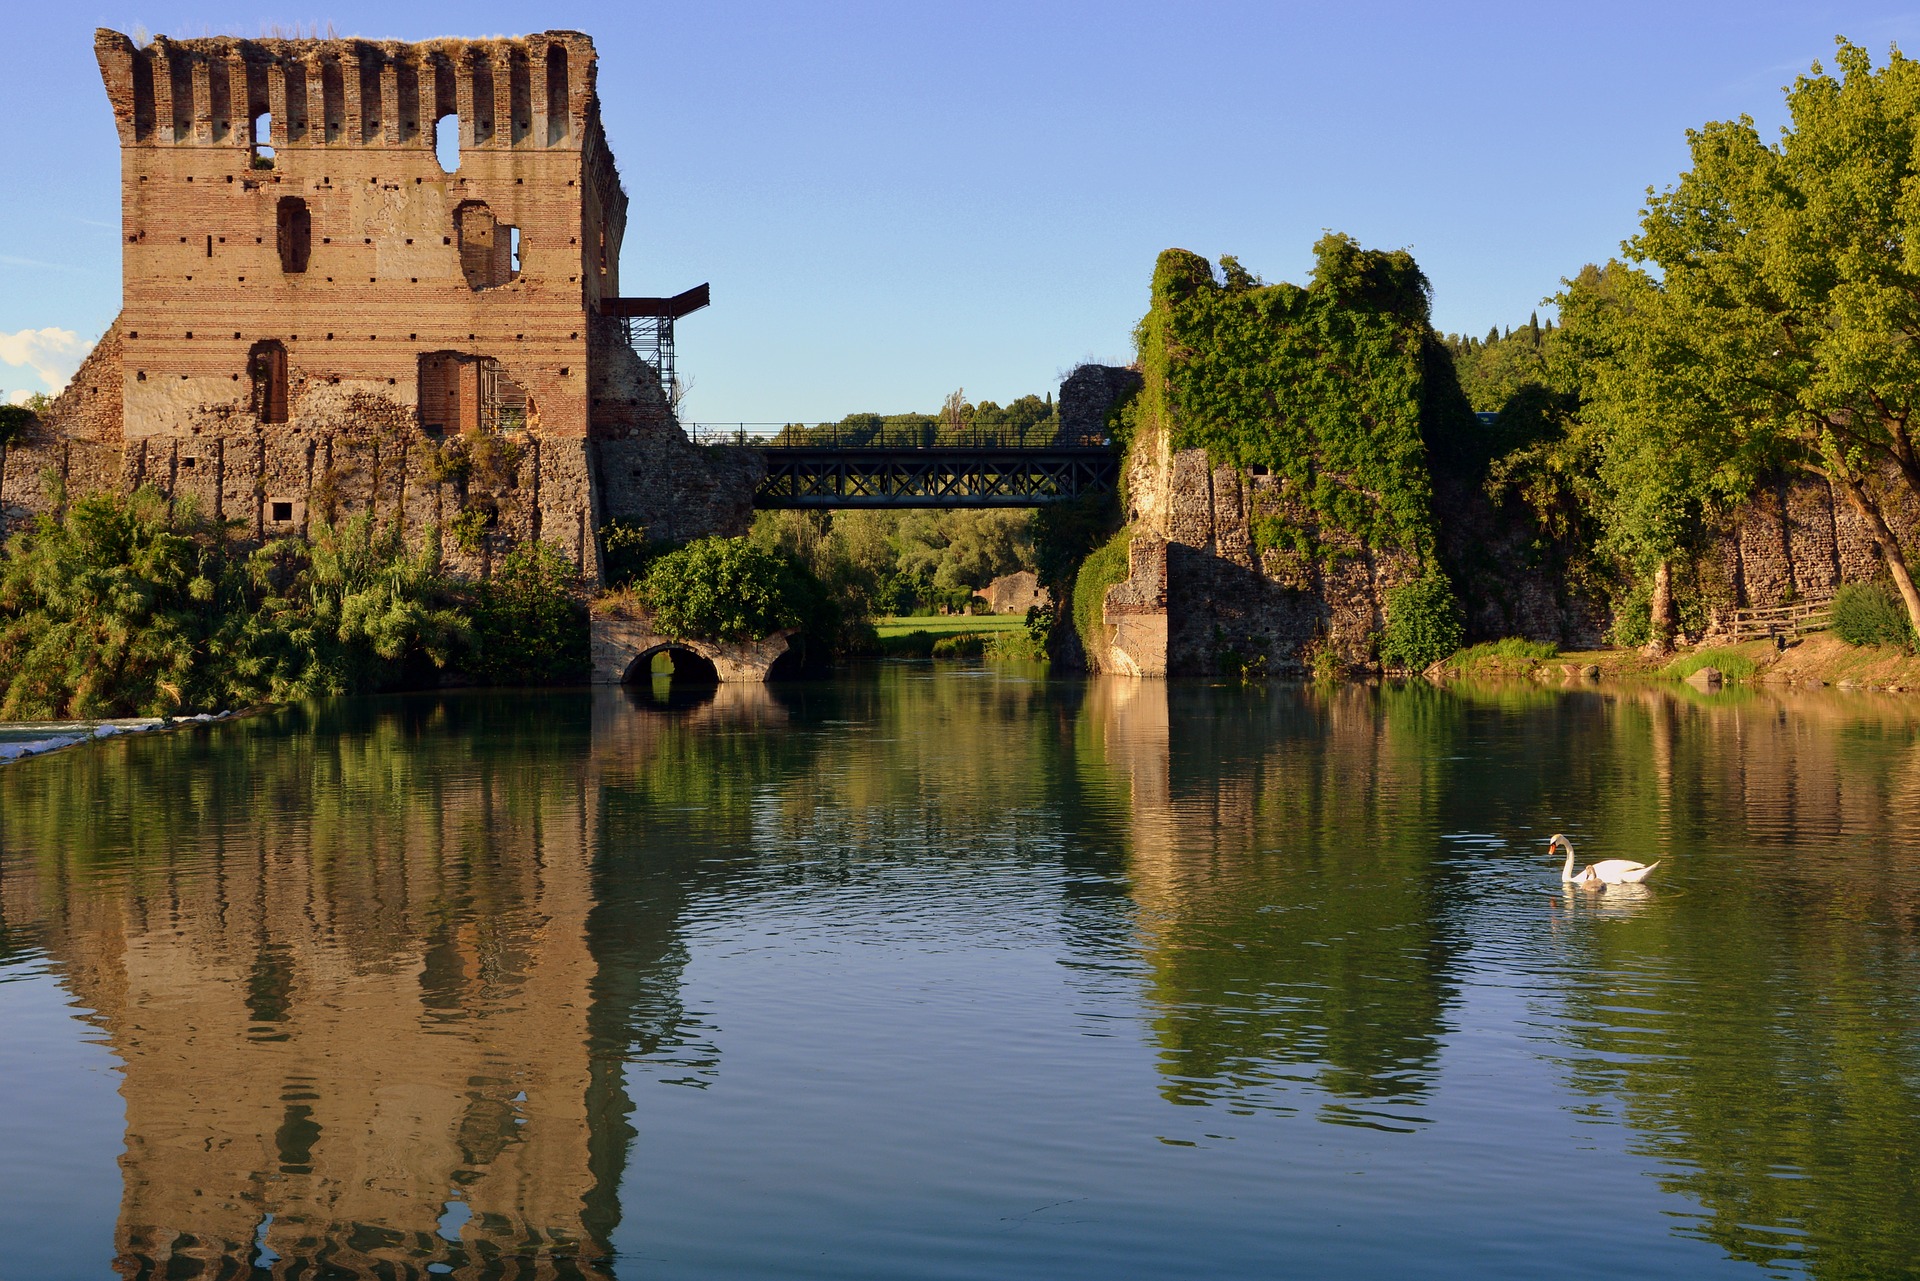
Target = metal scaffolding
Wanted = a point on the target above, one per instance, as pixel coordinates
(647, 324)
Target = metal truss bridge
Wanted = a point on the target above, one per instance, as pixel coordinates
(831, 467)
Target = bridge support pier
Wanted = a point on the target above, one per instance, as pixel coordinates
(623, 650)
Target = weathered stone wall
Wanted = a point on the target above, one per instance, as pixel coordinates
(1506, 585)
(1194, 564)
(1089, 394)
(1801, 539)
(649, 473)
(76, 445)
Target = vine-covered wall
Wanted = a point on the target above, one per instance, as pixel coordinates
(1322, 387)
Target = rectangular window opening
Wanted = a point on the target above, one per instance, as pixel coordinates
(260, 140)
(294, 234)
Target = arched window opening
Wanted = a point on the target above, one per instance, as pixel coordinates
(267, 369)
(559, 118)
(293, 233)
(489, 249)
(260, 140)
(446, 142)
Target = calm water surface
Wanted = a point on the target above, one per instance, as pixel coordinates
(958, 973)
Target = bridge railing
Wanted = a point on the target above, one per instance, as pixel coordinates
(928, 436)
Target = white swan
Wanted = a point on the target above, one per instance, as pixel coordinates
(1608, 871)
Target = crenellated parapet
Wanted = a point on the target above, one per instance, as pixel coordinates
(258, 96)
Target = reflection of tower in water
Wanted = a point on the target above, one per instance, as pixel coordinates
(358, 1066)
(384, 1027)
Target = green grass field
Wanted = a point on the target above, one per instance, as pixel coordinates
(948, 624)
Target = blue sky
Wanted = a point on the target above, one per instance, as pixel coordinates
(893, 200)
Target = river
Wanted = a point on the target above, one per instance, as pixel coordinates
(958, 973)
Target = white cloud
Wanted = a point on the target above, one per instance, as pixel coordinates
(53, 354)
(19, 396)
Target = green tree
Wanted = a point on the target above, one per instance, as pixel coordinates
(108, 610)
(1788, 294)
(959, 551)
(1666, 457)
(353, 610)
(729, 589)
(529, 626)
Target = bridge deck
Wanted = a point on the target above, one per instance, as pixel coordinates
(820, 468)
(934, 477)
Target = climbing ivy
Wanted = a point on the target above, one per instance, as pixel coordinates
(1324, 386)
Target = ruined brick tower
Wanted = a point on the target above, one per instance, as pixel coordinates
(318, 319)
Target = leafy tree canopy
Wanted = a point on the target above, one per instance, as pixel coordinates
(1782, 299)
(729, 589)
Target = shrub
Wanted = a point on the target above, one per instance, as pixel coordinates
(963, 645)
(1871, 614)
(1730, 663)
(528, 626)
(1101, 570)
(1322, 661)
(351, 611)
(1508, 647)
(109, 610)
(1018, 647)
(628, 553)
(1423, 624)
(133, 604)
(728, 589)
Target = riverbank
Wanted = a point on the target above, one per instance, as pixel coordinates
(947, 635)
(21, 739)
(1817, 660)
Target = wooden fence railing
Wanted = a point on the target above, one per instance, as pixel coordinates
(1773, 620)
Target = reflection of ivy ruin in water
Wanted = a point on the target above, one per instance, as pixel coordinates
(1294, 923)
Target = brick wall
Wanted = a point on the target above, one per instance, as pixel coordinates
(310, 303)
